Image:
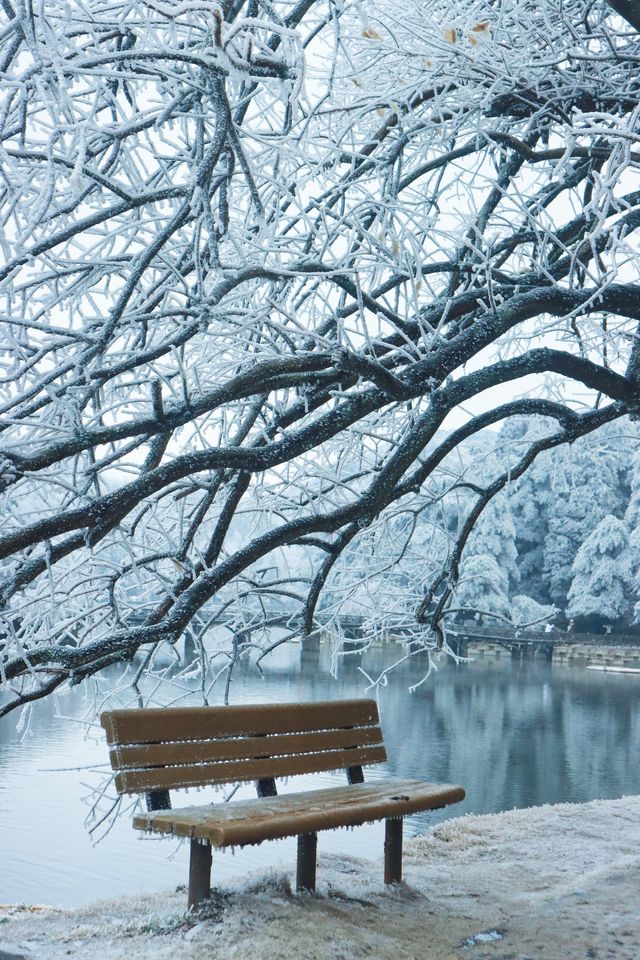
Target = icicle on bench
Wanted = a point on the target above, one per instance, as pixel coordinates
(157, 750)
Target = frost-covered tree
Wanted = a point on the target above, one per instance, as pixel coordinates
(483, 587)
(601, 583)
(587, 483)
(528, 500)
(632, 513)
(632, 520)
(256, 255)
(525, 612)
(494, 535)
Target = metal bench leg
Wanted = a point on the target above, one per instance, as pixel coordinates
(393, 850)
(306, 872)
(199, 873)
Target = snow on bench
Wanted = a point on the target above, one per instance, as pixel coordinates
(161, 749)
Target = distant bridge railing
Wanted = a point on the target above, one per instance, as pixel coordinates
(356, 625)
(552, 637)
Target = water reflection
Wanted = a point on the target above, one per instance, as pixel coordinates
(512, 734)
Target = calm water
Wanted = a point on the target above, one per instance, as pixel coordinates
(514, 735)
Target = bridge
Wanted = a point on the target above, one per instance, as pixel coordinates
(521, 644)
(524, 644)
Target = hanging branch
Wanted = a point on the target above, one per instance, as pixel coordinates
(256, 260)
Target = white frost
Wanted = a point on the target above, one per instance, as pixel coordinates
(546, 882)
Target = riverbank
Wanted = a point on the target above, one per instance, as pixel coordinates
(610, 654)
(535, 884)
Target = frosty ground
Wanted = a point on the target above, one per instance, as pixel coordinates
(547, 883)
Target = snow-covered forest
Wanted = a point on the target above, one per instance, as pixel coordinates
(307, 307)
(562, 543)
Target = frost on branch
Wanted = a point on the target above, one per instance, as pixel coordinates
(262, 263)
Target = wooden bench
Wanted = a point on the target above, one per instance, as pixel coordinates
(157, 750)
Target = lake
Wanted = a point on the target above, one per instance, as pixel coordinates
(514, 734)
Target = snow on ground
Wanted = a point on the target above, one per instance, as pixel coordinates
(546, 883)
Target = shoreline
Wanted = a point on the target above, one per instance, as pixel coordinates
(530, 884)
(570, 654)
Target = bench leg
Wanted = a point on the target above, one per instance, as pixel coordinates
(306, 871)
(199, 873)
(393, 850)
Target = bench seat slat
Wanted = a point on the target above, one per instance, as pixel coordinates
(233, 771)
(132, 756)
(252, 821)
(161, 724)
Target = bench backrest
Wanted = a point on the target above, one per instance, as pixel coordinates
(174, 747)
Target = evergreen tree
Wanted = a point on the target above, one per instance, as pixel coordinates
(529, 499)
(527, 612)
(483, 586)
(632, 517)
(632, 513)
(495, 536)
(602, 574)
(588, 481)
